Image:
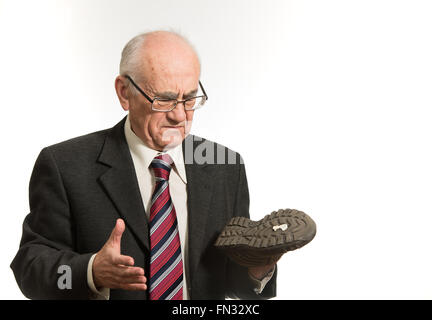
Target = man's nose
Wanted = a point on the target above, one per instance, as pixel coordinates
(178, 114)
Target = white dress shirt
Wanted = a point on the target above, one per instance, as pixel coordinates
(142, 157)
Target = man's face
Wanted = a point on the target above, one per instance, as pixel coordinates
(168, 75)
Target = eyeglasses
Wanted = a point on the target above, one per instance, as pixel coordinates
(167, 105)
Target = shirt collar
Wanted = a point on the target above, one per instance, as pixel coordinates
(145, 155)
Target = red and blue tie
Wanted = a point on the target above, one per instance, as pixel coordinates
(166, 266)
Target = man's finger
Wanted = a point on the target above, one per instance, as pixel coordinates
(131, 271)
(134, 279)
(123, 272)
(123, 260)
(116, 234)
(134, 287)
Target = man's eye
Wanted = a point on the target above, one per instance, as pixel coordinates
(190, 102)
(165, 102)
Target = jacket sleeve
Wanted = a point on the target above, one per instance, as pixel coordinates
(240, 284)
(46, 266)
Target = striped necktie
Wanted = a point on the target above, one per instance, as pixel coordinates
(166, 266)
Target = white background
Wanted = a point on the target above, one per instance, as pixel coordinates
(329, 102)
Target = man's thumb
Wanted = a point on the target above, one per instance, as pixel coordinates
(117, 232)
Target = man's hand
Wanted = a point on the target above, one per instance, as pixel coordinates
(261, 271)
(113, 270)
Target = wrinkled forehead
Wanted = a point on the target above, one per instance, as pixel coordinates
(171, 68)
(170, 64)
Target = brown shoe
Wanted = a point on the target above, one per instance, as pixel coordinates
(258, 243)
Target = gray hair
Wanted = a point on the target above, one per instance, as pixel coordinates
(130, 55)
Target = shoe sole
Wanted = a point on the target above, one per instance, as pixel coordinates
(281, 231)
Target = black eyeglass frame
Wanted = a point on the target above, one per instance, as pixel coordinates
(160, 99)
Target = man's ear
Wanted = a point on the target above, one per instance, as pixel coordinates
(123, 93)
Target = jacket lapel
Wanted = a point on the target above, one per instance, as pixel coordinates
(199, 192)
(121, 185)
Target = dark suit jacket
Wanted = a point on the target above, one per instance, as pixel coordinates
(79, 188)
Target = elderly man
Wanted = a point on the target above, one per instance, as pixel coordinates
(130, 212)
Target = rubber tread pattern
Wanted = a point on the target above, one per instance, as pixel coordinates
(255, 243)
